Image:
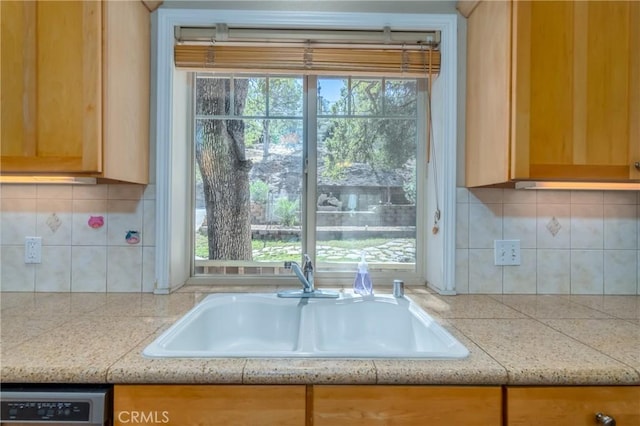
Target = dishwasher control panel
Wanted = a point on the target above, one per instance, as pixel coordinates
(70, 411)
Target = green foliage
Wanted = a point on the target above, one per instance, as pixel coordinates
(409, 186)
(285, 97)
(287, 211)
(383, 143)
(259, 191)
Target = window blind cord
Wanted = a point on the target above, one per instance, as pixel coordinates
(431, 149)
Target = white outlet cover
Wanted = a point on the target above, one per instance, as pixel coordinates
(506, 252)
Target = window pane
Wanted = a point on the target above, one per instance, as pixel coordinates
(256, 103)
(400, 97)
(366, 182)
(285, 97)
(333, 96)
(213, 96)
(366, 96)
(248, 177)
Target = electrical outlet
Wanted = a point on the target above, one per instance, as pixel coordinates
(506, 252)
(32, 249)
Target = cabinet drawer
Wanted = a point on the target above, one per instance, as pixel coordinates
(406, 405)
(575, 406)
(209, 405)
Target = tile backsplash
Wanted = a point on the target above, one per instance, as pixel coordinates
(75, 255)
(572, 242)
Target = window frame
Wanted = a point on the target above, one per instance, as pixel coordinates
(173, 258)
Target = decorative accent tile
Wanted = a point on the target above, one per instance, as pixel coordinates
(554, 226)
(562, 214)
(82, 234)
(54, 221)
(123, 216)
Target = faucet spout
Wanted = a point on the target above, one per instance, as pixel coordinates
(305, 276)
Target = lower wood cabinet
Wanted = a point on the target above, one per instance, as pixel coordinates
(299, 405)
(373, 405)
(406, 405)
(204, 405)
(575, 406)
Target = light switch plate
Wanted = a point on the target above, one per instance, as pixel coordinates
(506, 252)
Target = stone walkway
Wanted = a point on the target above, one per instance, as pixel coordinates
(399, 250)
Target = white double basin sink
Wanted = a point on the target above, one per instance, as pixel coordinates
(262, 325)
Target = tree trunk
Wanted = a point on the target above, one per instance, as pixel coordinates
(220, 153)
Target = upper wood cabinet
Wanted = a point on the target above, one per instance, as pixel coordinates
(75, 89)
(553, 91)
(576, 406)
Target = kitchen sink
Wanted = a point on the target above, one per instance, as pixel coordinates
(264, 325)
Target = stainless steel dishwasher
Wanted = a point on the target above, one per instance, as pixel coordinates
(55, 404)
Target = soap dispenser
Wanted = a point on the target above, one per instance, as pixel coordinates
(362, 284)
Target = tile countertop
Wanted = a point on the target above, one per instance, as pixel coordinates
(512, 339)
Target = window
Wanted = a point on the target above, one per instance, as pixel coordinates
(170, 100)
(324, 165)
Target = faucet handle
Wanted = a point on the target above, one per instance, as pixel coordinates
(288, 264)
(308, 265)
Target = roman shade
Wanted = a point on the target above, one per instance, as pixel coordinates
(372, 53)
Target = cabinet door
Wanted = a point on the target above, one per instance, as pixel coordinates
(575, 406)
(51, 103)
(575, 87)
(209, 405)
(406, 405)
(488, 94)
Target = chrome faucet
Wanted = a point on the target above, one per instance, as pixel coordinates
(305, 276)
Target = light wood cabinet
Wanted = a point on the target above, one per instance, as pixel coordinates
(75, 89)
(317, 405)
(209, 405)
(406, 405)
(553, 91)
(576, 406)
